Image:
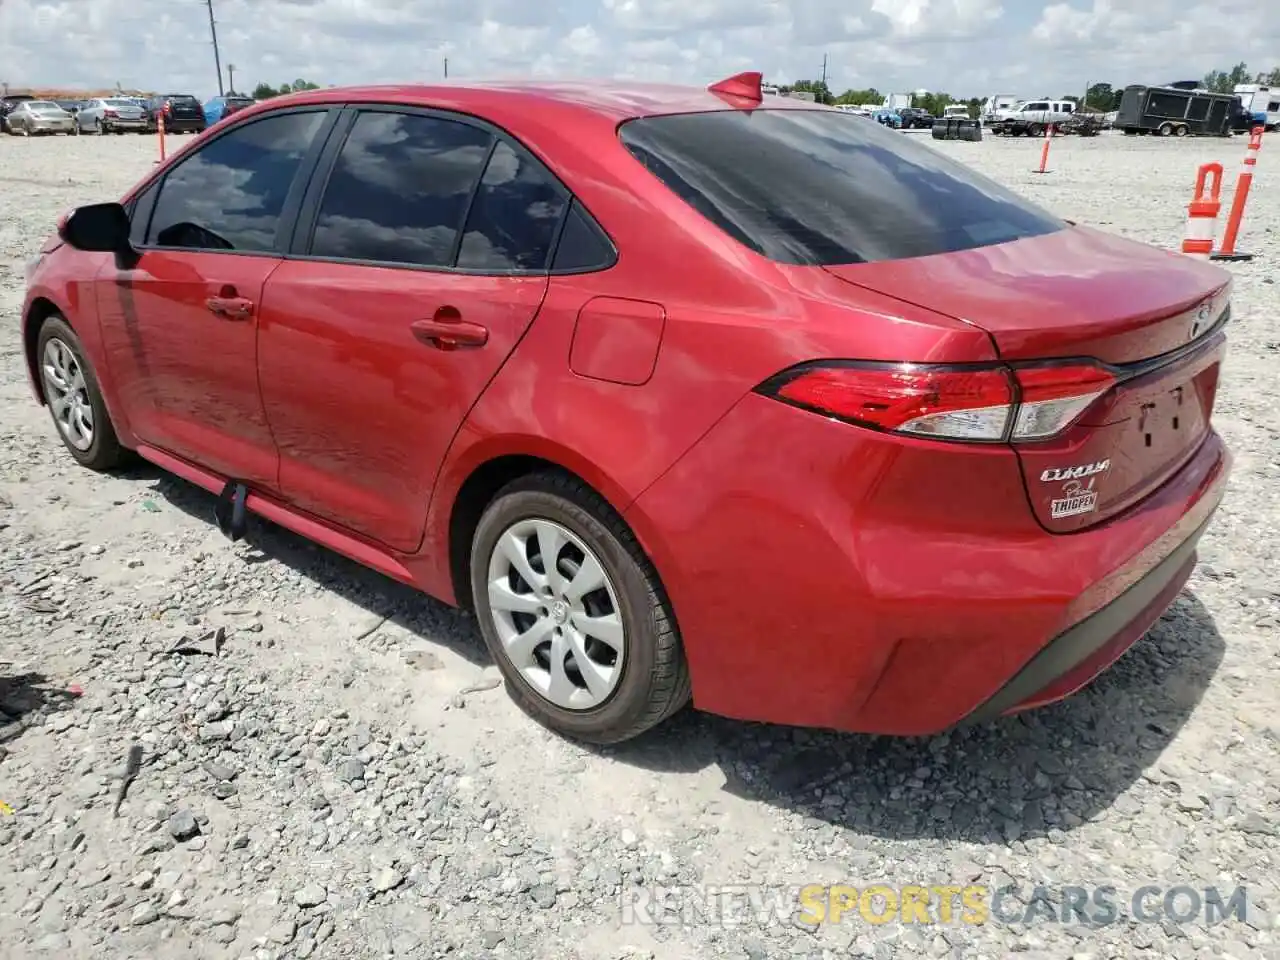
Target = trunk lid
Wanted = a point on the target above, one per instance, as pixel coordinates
(1152, 319)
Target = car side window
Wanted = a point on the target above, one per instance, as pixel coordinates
(514, 215)
(140, 215)
(583, 245)
(230, 193)
(399, 190)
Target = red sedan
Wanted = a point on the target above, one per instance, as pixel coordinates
(687, 393)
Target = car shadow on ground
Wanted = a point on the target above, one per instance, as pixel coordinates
(23, 695)
(1020, 777)
(402, 606)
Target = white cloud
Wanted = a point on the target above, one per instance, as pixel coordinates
(969, 47)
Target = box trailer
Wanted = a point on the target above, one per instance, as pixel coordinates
(1176, 112)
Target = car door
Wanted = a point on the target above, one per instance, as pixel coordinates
(418, 263)
(180, 326)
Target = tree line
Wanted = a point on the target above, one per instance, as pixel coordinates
(265, 91)
(1103, 97)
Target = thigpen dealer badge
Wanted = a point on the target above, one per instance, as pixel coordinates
(1077, 496)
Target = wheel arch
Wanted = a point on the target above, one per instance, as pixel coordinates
(41, 309)
(481, 484)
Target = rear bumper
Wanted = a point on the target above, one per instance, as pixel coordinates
(829, 577)
(1074, 658)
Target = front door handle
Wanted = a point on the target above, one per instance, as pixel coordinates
(229, 305)
(446, 330)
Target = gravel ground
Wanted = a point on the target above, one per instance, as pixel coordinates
(344, 777)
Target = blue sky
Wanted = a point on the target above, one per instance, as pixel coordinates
(964, 47)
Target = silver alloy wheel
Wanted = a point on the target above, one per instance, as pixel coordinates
(67, 394)
(557, 614)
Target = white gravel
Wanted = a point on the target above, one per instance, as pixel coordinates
(346, 779)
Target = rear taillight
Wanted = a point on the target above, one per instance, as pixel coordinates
(1051, 398)
(966, 403)
(109, 113)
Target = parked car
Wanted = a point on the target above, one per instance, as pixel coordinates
(220, 107)
(668, 420)
(8, 103)
(915, 118)
(182, 113)
(888, 118)
(111, 115)
(39, 117)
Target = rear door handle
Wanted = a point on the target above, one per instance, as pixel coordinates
(446, 330)
(232, 308)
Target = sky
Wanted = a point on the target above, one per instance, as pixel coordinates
(962, 47)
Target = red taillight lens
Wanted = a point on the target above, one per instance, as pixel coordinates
(976, 404)
(109, 113)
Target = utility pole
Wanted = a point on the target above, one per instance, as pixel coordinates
(231, 78)
(213, 31)
(446, 68)
(824, 71)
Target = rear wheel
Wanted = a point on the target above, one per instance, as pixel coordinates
(1166, 129)
(74, 398)
(1035, 130)
(1180, 130)
(99, 127)
(572, 612)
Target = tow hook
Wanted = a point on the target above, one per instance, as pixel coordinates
(229, 510)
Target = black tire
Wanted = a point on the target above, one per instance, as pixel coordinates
(99, 127)
(105, 452)
(1166, 129)
(655, 677)
(1180, 130)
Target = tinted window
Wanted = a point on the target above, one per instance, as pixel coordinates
(583, 245)
(230, 193)
(399, 190)
(514, 215)
(140, 215)
(820, 187)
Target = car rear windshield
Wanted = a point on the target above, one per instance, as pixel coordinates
(181, 100)
(823, 187)
(117, 102)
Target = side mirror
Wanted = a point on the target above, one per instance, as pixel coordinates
(97, 228)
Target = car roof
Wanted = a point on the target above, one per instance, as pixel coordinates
(612, 100)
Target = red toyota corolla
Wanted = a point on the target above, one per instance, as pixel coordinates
(687, 393)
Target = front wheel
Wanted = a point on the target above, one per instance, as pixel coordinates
(573, 613)
(1166, 129)
(74, 398)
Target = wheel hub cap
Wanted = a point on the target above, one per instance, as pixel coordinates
(557, 614)
(67, 394)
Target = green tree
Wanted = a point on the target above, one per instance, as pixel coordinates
(1100, 97)
(1271, 78)
(934, 103)
(265, 91)
(1220, 82)
(821, 92)
(855, 97)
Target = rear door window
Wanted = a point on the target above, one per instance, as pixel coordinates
(399, 190)
(514, 216)
(822, 188)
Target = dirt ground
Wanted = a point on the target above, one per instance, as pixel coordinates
(346, 777)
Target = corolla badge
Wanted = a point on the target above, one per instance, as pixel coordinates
(1055, 474)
